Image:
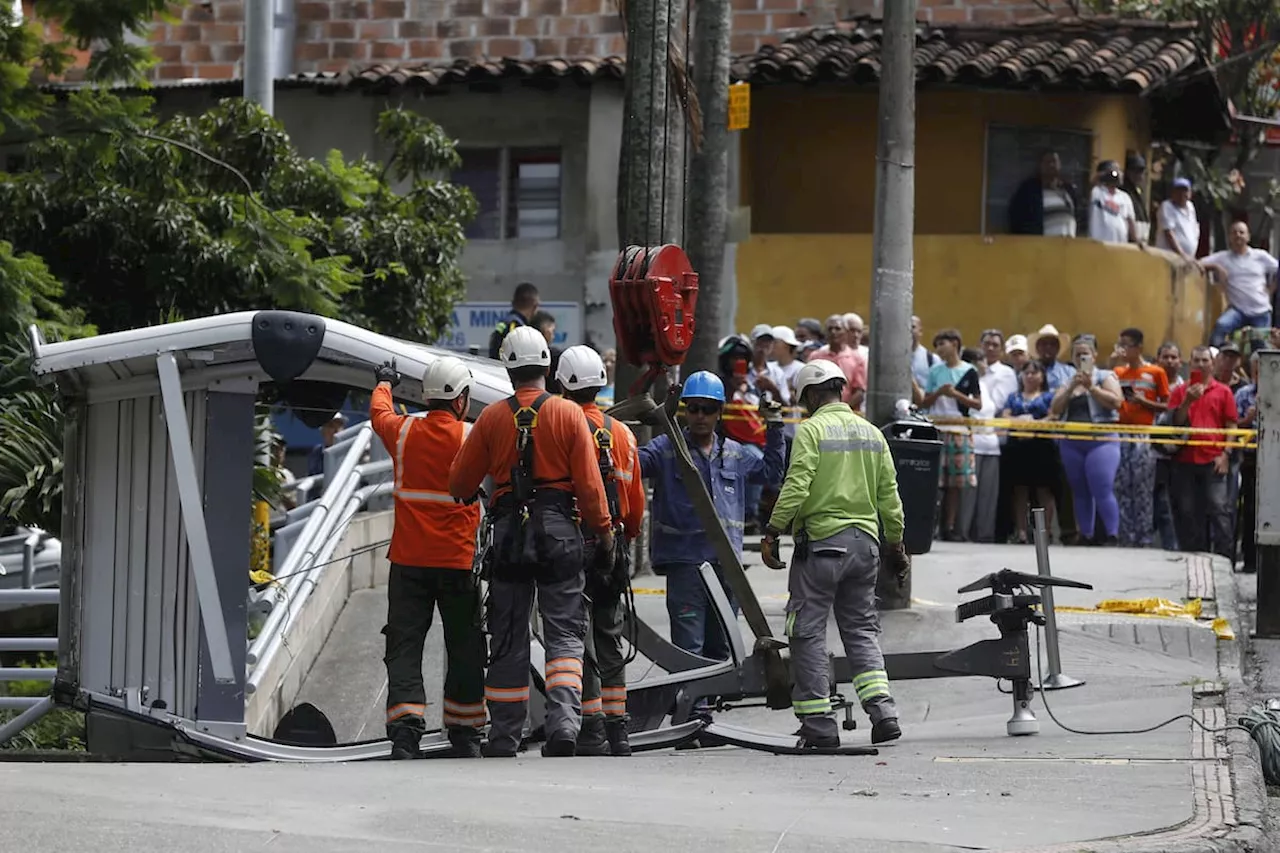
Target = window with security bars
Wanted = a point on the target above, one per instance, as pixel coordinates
(1013, 155)
(517, 190)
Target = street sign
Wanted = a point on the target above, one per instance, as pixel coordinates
(472, 324)
(739, 106)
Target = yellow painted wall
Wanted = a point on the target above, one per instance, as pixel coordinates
(972, 282)
(808, 164)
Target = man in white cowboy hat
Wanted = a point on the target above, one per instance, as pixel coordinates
(1047, 343)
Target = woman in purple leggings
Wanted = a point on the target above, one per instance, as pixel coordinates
(1092, 396)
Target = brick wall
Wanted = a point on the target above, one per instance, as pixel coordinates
(333, 35)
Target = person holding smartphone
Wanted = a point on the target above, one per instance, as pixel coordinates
(1146, 394)
(1090, 462)
(1200, 471)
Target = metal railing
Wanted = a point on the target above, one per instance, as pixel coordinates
(304, 544)
(33, 708)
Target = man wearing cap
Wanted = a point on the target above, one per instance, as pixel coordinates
(1248, 277)
(765, 375)
(1111, 212)
(1177, 223)
(1135, 182)
(785, 349)
(1015, 350)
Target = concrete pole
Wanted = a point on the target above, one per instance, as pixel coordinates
(1267, 620)
(259, 70)
(891, 257)
(640, 179)
(709, 175)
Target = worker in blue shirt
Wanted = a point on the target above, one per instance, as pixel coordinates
(679, 545)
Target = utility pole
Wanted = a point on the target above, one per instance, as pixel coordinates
(640, 161)
(259, 69)
(709, 175)
(1267, 537)
(891, 255)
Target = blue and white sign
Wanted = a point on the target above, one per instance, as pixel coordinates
(473, 323)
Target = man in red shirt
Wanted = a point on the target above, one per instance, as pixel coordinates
(1200, 471)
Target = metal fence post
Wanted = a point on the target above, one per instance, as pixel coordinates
(1056, 680)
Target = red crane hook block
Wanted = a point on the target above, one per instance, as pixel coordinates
(654, 292)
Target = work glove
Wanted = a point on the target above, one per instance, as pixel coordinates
(771, 411)
(386, 372)
(900, 562)
(604, 558)
(769, 548)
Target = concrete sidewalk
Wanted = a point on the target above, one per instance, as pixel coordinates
(954, 782)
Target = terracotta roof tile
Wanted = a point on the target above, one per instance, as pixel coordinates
(1099, 54)
(584, 69)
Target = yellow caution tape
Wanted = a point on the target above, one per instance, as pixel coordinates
(1151, 606)
(261, 576)
(1222, 627)
(1246, 439)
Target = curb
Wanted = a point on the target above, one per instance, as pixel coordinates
(1229, 794)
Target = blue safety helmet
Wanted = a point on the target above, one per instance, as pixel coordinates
(704, 385)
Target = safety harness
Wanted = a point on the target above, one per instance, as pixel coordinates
(525, 488)
(617, 585)
(604, 450)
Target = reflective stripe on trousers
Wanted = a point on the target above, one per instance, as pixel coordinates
(507, 680)
(836, 574)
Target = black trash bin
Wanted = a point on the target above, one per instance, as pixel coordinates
(917, 456)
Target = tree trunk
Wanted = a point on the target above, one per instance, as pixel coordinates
(709, 177)
(640, 180)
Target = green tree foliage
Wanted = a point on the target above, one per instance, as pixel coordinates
(221, 213)
(26, 55)
(122, 220)
(30, 419)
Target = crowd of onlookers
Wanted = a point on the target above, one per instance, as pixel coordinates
(1107, 482)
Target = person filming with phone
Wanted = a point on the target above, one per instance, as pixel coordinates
(1092, 396)
(1200, 471)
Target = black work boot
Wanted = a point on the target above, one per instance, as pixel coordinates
(591, 740)
(404, 744)
(819, 742)
(560, 745)
(616, 731)
(489, 749)
(885, 730)
(465, 742)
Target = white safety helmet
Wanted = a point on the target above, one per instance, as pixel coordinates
(445, 379)
(581, 367)
(817, 373)
(524, 346)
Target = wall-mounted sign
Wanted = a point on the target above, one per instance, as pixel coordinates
(473, 323)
